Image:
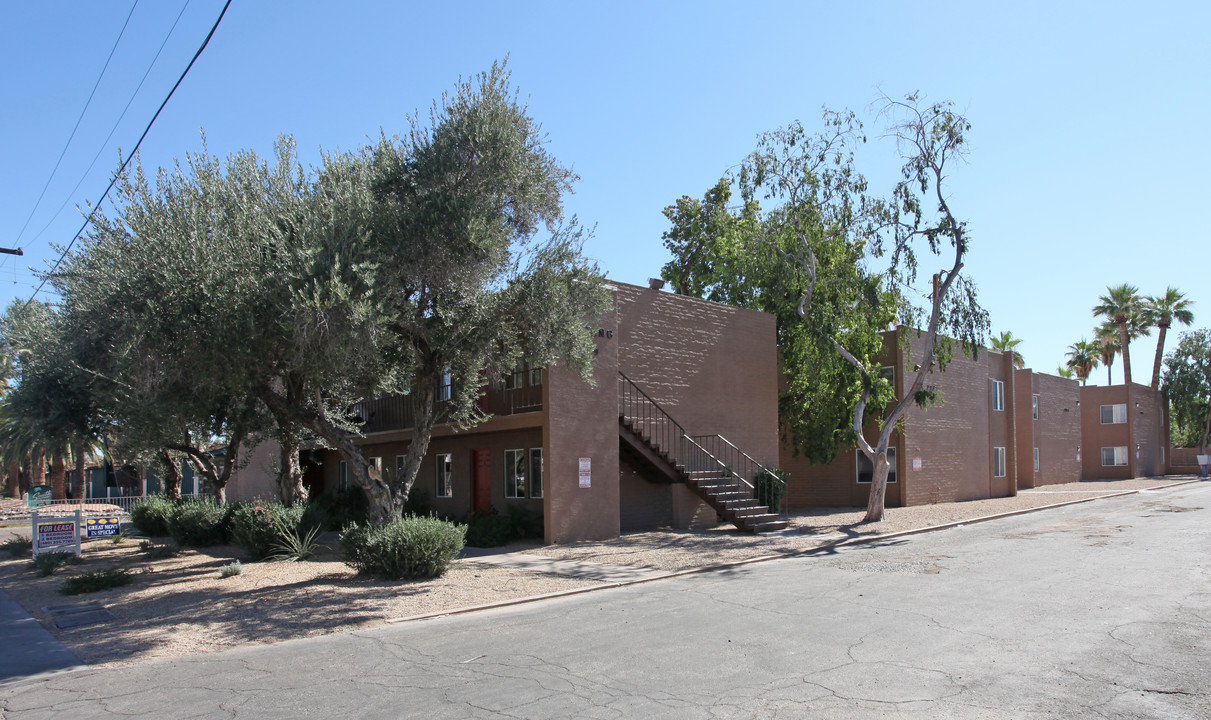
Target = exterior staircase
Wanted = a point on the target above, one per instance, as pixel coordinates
(716, 470)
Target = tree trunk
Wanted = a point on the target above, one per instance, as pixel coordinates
(58, 476)
(1124, 338)
(361, 472)
(1108, 380)
(38, 469)
(290, 477)
(1160, 351)
(172, 475)
(82, 482)
(878, 488)
(14, 478)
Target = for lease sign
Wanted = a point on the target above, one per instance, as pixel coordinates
(56, 534)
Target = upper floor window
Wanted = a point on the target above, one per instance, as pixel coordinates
(998, 394)
(444, 390)
(535, 376)
(517, 378)
(1034, 406)
(1114, 414)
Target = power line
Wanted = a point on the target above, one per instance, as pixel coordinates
(125, 162)
(113, 129)
(87, 103)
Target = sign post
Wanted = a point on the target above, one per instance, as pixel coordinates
(48, 533)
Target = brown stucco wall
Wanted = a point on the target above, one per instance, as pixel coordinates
(1057, 432)
(712, 367)
(1149, 430)
(954, 439)
(1095, 435)
(583, 423)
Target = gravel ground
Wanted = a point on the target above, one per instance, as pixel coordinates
(181, 606)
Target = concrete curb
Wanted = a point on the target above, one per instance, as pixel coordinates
(824, 547)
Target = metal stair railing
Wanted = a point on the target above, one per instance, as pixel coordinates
(693, 455)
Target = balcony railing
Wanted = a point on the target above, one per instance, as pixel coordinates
(394, 412)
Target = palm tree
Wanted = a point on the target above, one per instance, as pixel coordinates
(1083, 357)
(1006, 342)
(1123, 306)
(1064, 372)
(1164, 309)
(1108, 346)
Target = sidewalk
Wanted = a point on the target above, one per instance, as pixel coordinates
(29, 649)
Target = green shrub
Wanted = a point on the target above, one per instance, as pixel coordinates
(159, 552)
(46, 563)
(335, 511)
(488, 529)
(200, 523)
(409, 548)
(235, 567)
(17, 546)
(524, 523)
(259, 527)
(151, 515)
(771, 486)
(96, 581)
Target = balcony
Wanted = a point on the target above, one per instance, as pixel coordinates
(394, 412)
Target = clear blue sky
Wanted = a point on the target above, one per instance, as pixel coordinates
(1088, 155)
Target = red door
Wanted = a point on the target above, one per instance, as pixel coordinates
(481, 481)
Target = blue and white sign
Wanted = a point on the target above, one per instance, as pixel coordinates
(102, 527)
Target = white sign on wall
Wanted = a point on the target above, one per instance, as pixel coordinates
(586, 472)
(916, 463)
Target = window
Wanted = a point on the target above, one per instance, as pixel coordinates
(445, 475)
(399, 467)
(866, 469)
(443, 390)
(1112, 456)
(1114, 414)
(998, 462)
(536, 472)
(1036, 459)
(1034, 406)
(517, 378)
(998, 395)
(535, 376)
(515, 473)
(342, 476)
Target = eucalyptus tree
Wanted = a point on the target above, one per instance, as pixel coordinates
(1007, 343)
(732, 252)
(1083, 357)
(833, 265)
(1164, 310)
(1125, 308)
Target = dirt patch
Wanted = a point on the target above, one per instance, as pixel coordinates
(182, 606)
